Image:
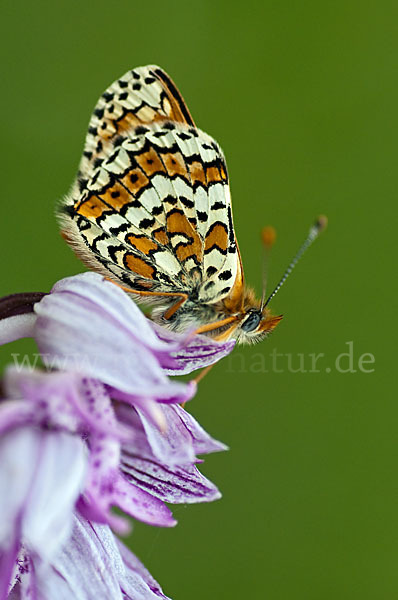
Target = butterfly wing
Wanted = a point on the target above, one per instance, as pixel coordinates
(151, 205)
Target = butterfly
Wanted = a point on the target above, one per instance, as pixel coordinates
(151, 210)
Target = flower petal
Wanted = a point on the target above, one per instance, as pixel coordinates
(92, 565)
(53, 397)
(78, 328)
(135, 571)
(181, 440)
(198, 352)
(111, 299)
(173, 445)
(177, 485)
(88, 567)
(14, 413)
(57, 485)
(15, 328)
(41, 476)
(141, 505)
(162, 462)
(202, 442)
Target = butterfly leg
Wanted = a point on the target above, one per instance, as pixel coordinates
(217, 325)
(170, 311)
(173, 309)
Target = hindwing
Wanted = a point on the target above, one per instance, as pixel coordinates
(151, 204)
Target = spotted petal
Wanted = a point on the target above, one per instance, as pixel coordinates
(41, 477)
(91, 566)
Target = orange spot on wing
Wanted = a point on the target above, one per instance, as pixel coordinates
(142, 243)
(174, 164)
(135, 180)
(117, 126)
(109, 131)
(213, 175)
(138, 266)
(116, 196)
(178, 223)
(217, 236)
(128, 121)
(197, 173)
(150, 162)
(161, 236)
(92, 208)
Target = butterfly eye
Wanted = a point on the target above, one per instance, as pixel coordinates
(252, 321)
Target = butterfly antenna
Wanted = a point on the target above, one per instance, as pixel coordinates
(319, 225)
(268, 237)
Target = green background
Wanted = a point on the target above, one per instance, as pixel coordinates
(303, 98)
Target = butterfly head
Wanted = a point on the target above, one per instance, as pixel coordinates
(256, 324)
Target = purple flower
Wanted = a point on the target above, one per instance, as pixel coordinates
(94, 564)
(104, 429)
(87, 322)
